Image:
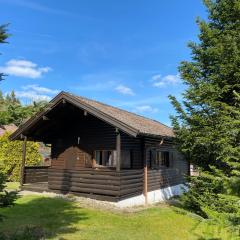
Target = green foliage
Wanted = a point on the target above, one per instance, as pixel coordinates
(6, 198)
(28, 233)
(207, 125)
(11, 156)
(3, 33)
(3, 36)
(12, 111)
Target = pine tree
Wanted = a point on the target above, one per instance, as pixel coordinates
(207, 125)
(3, 36)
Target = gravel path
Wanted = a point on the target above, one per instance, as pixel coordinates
(88, 202)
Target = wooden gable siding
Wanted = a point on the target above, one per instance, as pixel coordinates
(78, 140)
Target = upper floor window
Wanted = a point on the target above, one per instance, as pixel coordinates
(158, 158)
(163, 158)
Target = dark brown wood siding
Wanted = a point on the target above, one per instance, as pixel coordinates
(74, 147)
(104, 184)
(176, 160)
(35, 174)
(163, 178)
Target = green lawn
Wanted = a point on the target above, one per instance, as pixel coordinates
(12, 186)
(62, 219)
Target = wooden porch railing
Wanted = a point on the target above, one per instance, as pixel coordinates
(35, 174)
(102, 184)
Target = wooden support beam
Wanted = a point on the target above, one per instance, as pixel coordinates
(118, 148)
(145, 172)
(85, 113)
(93, 162)
(146, 183)
(24, 145)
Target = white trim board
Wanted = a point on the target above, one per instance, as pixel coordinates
(155, 196)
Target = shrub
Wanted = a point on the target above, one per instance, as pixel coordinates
(28, 233)
(11, 156)
(6, 198)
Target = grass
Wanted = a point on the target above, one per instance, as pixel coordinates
(62, 219)
(12, 186)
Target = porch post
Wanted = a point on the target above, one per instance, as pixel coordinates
(93, 163)
(146, 182)
(118, 148)
(24, 145)
(145, 173)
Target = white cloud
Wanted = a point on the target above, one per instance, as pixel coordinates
(159, 81)
(33, 96)
(145, 109)
(36, 93)
(124, 90)
(39, 7)
(39, 89)
(24, 68)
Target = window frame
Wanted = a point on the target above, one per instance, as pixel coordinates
(100, 165)
(157, 159)
(112, 151)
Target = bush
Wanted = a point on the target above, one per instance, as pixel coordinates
(11, 156)
(28, 233)
(6, 198)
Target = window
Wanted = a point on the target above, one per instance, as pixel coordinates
(105, 158)
(108, 158)
(165, 159)
(159, 158)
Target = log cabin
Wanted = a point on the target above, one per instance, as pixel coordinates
(102, 152)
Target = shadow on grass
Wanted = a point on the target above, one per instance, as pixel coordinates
(53, 216)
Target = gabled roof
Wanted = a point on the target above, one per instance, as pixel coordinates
(128, 122)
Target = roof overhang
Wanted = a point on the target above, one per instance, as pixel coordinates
(62, 96)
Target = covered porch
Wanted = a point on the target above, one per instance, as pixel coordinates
(101, 184)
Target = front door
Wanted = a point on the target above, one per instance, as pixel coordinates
(76, 158)
(70, 156)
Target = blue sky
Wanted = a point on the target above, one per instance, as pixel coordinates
(124, 53)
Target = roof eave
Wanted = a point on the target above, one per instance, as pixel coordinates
(157, 136)
(73, 100)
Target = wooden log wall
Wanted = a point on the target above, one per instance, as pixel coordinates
(79, 136)
(103, 184)
(35, 174)
(163, 178)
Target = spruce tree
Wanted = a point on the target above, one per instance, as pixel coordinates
(207, 123)
(6, 198)
(3, 36)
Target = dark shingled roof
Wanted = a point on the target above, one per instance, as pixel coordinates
(142, 124)
(131, 123)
